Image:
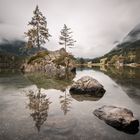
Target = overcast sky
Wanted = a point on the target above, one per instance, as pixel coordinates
(96, 24)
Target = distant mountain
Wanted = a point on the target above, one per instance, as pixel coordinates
(13, 53)
(128, 49)
(133, 35)
(17, 48)
(132, 40)
(12, 47)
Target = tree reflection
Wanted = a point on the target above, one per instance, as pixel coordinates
(42, 80)
(39, 105)
(127, 78)
(65, 102)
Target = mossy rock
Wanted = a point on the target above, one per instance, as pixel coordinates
(39, 55)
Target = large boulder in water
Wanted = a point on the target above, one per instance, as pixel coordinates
(120, 118)
(87, 85)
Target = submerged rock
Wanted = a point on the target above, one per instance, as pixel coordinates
(87, 85)
(120, 118)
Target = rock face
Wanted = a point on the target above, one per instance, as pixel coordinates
(53, 63)
(49, 68)
(87, 85)
(120, 118)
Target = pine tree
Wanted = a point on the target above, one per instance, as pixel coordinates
(66, 37)
(38, 33)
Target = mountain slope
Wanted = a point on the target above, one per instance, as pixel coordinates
(128, 51)
(13, 53)
(12, 47)
(17, 47)
(133, 35)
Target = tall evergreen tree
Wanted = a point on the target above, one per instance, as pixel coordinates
(38, 33)
(66, 37)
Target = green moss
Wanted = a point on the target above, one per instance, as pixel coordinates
(60, 60)
(37, 57)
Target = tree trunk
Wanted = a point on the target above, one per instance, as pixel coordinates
(65, 43)
(38, 45)
(65, 46)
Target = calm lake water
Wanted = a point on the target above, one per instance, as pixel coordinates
(33, 107)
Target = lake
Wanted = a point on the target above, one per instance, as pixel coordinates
(33, 107)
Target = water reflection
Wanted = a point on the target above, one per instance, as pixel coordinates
(86, 97)
(41, 80)
(127, 77)
(13, 78)
(79, 122)
(39, 106)
(65, 101)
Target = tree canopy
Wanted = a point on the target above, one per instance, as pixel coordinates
(38, 33)
(66, 37)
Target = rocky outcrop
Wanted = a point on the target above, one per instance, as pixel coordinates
(53, 63)
(49, 68)
(87, 85)
(120, 118)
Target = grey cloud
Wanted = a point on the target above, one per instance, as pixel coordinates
(96, 24)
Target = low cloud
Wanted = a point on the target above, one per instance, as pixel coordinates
(96, 24)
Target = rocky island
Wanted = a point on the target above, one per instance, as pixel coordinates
(52, 63)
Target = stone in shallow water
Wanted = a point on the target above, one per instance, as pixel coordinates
(87, 85)
(120, 118)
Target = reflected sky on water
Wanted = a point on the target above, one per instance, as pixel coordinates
(32, 110)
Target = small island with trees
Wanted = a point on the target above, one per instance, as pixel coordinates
(53, 63)
(64, 88)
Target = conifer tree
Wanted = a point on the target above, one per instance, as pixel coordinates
(66, 37)
(38, 33)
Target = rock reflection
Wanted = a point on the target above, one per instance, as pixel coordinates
(42, 80)
(65, 102)
(86, 97)
(39, 106)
